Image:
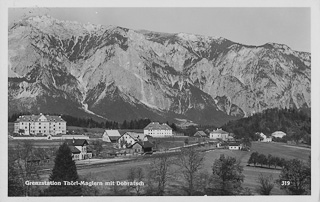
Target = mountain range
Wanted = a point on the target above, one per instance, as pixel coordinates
(115, 73)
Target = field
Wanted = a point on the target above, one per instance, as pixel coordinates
(119, 171)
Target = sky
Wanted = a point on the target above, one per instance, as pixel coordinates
(250, 26)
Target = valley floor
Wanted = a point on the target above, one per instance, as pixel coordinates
(107, 170)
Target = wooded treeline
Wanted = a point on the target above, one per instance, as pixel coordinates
(295, 123)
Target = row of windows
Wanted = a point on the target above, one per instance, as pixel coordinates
(33, 123)
(40, 127)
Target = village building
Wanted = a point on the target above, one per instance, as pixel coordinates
(40, 124)
(200, 134)
(235, 146)
(264, 138)
(130, 138)
(111, 136)
(141, 147)
(219, 134)
(155, 129)
(278, 134)
(79, 149)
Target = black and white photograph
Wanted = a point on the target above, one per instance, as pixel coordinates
(142, 100)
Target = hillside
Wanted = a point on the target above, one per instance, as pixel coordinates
(295, 123)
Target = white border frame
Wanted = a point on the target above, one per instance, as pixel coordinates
(315, 84)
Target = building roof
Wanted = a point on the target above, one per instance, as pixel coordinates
(123, 131)
(200, 133)
(234, 144)
(114, 137)
(112, 133)
(219, 130)
(74, 150)
(157, 126)
(144, 144)
(136, 136)
(76, 142)
(35, 118)
(278, 134)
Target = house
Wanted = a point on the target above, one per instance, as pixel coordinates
(155, 129)
(200, 134)
(111, 136)
(142, 147)
(219, 134)
(79, 149)
(264, 138)
(130, 138)
(278, 134)
(235, 146)
(40, 124)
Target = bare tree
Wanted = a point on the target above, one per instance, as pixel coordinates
(25, 164)
(159, 174)
(136, 175)
(190, 162)
(265, 184)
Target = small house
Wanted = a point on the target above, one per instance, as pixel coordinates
(200, 134)
(235, 146)
(111, 136)
(142, 147)
(130, 138)
(264, 138)
(79, 149)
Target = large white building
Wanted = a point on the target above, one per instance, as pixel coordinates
(155, 129)
(219, 134)
(40, 124)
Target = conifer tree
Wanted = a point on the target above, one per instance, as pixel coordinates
(64, 170)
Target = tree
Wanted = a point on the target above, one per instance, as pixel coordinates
(202, 183)
(227, 176)
(174, 127)
(262, 159)
(270, 160)
(296, 176)
(89, 190)
(64, 170)
(97, 147)
(23, 160)
(281, 162)
(265, 184)
(186, 141)
(246, 142)
(136, 175)
(276, 161)
(253, 158)
(15, 184)
(159, 174)
(190, 161)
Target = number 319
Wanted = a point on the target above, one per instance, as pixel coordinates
(285, 183)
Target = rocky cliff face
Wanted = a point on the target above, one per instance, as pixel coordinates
(116, 73)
